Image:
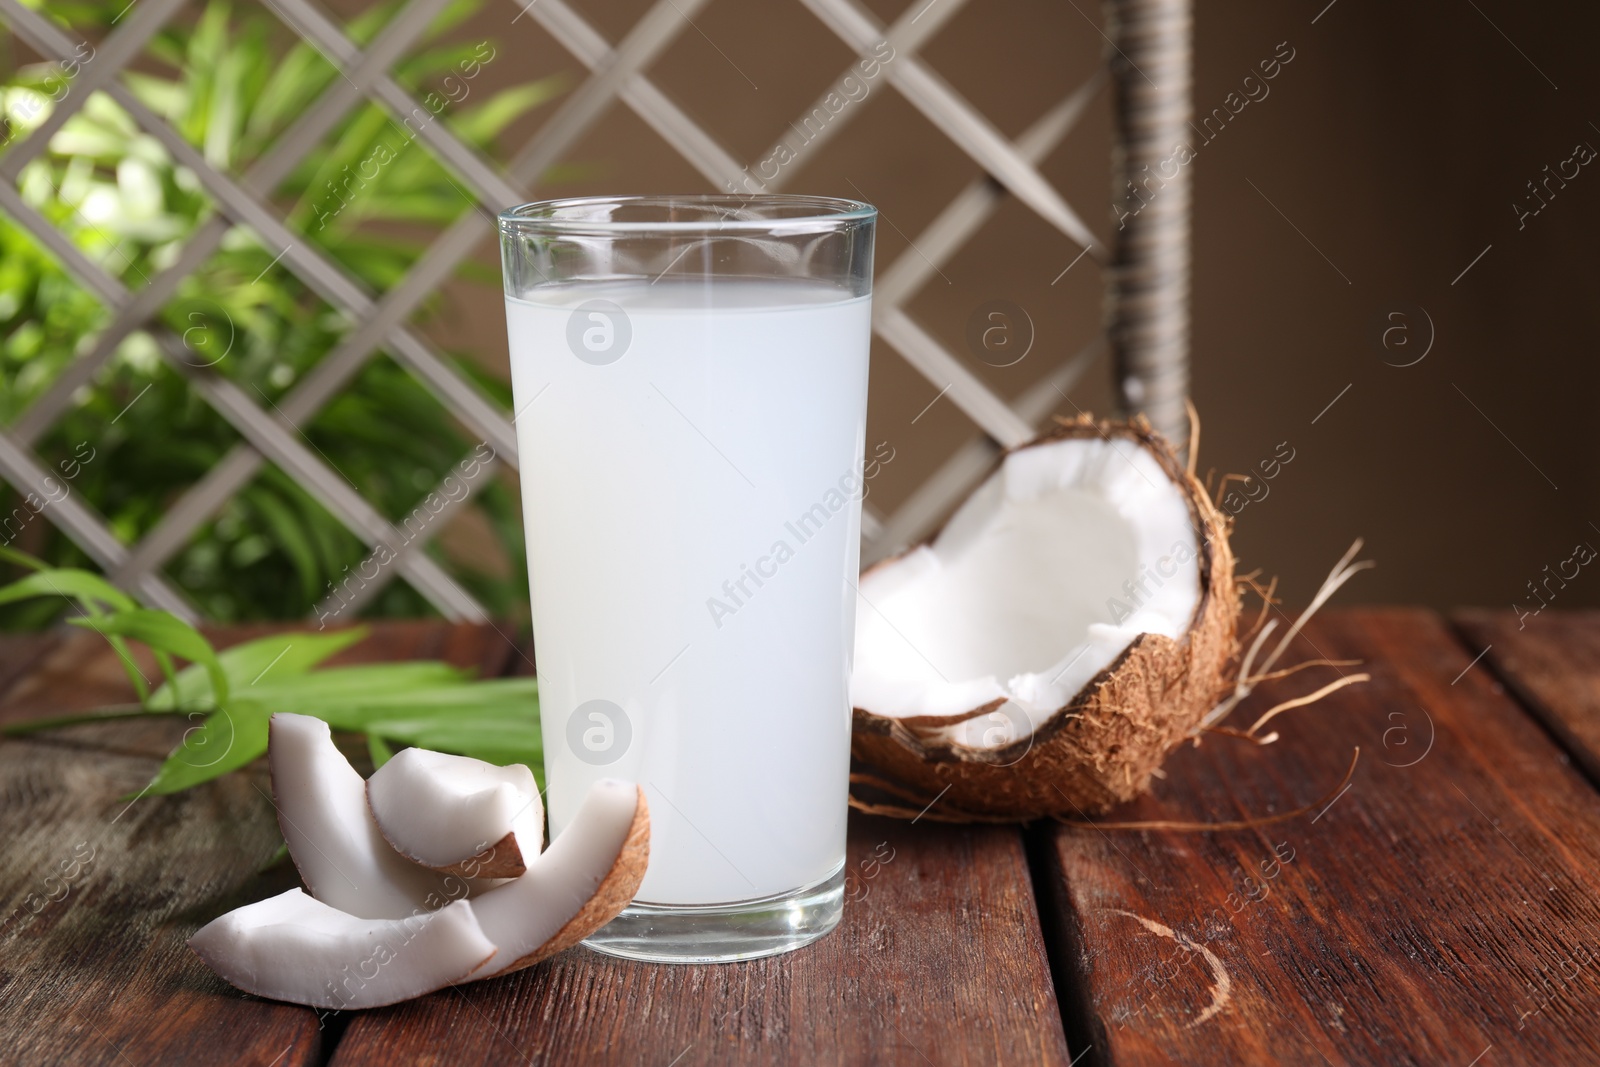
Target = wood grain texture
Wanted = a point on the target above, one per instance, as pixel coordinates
(1445, 909)
(98, 896)
(1551, 662)
(939, 960)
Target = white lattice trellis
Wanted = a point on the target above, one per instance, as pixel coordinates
(616, 73)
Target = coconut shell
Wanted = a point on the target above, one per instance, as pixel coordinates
(1102, 747)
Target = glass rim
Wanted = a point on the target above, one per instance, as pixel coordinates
(809, 212)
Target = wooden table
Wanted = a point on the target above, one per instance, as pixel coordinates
(1443, 909)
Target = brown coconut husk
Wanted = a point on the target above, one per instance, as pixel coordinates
(1104, 745)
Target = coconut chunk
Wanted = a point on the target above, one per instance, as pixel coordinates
(458, 815)
(333, 838)
(295, 948)
(582, 881)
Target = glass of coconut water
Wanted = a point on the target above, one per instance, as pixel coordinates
(690, 378)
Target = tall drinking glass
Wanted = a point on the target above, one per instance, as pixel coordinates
(690, 379)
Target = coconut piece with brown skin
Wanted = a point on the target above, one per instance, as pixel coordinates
(333, 839)
(1073, 621)
(582, 881)
(297, 948)
(458, 815)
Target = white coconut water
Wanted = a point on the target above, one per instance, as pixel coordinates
(691, 468)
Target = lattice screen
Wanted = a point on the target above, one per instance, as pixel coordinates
(617, 73)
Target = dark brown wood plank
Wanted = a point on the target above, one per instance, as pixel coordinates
(1443, 910)
(99, 895)
(939, 959)
(1551, 662)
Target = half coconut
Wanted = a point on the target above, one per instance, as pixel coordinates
(1072, 622)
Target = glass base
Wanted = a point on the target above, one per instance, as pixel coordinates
(722, 933)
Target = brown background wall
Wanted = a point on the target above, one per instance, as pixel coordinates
(1386, 156)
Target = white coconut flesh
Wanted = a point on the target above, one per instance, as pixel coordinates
(1039, 582)
(333, 839)
(521, 916)
(458, 814)
(295, 948)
